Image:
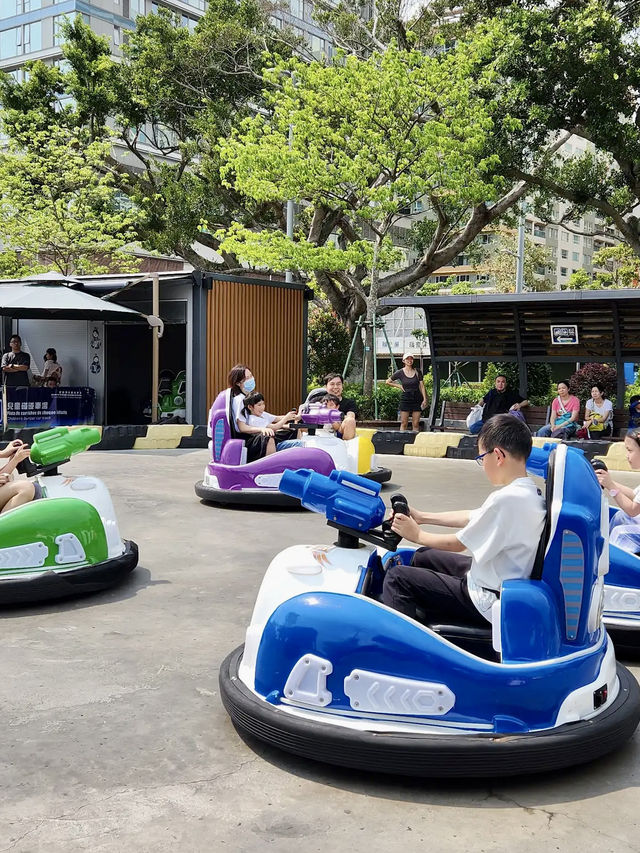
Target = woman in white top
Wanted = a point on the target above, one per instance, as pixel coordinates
(259, 441)
(598, 414)
(51, 370)
(624, 527)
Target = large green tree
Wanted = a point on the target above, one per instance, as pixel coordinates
(59, 208)
(163, 107)
(369, 138)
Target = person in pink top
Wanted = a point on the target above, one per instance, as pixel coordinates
(565, 411)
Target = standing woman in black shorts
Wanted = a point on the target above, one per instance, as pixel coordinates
(413, 399)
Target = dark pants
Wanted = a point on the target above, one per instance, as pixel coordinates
(436, 582)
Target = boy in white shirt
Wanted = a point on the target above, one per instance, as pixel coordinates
(254, 415)
(502, 537)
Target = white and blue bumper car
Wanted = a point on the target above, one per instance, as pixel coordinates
(330, 673)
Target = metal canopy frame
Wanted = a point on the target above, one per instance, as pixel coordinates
(515, 328)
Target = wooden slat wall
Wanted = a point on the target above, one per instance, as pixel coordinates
(260, 326)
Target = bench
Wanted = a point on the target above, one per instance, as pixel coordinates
(453, 417)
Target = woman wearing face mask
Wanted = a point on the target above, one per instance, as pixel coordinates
(259, 441)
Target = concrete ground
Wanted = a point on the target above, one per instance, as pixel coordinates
(114, 737)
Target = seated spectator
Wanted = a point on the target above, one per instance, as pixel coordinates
(565, 411)
(499, 401)
(334, 384)
(14, 493)
(254, 415)
(502, 538)
(634, 412)
(598, 413)
(624, 527)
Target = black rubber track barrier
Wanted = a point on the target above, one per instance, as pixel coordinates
(48, 586)
(478, 756)
(120, 437)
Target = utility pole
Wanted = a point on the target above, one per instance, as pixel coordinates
(520, 263)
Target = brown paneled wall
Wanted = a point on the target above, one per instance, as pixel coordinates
(262, 326)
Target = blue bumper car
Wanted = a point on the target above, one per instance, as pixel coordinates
(330, 673)
(622, 600)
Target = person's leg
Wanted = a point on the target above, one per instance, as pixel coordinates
(15, 494)
(415, 420)
(271, 447)
(289, 442)
(475, 428)
(348, 428)
(545, 431)
(404, 421)
(442, 597)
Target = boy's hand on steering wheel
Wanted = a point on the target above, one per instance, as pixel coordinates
(406, 527)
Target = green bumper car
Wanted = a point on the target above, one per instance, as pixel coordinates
(68, 543)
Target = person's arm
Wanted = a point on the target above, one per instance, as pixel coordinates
(284, 419)
(394, 383)
(11, 448)
(454, 518)
(422, 390)
(406, 527)
(16, 459)
(251, 430)
(624, 496)
(575, 414)
(609, 415)
(520, 405)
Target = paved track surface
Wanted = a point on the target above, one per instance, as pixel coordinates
(114, 737)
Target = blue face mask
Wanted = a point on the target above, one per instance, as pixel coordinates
(249, 385)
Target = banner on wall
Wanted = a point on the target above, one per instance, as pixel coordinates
(49, 407)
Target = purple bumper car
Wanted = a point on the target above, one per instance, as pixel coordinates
(229, 479)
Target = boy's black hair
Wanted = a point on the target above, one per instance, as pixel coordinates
(507, 433)
(252, 400)
(331, 398)
(634, 399)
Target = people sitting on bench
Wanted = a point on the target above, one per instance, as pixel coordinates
(499, 400)
(565, 411)
(502, 537)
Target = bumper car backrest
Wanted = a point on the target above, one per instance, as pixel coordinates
(559, 609)
(221, 428)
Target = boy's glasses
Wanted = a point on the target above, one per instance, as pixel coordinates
(481, 457)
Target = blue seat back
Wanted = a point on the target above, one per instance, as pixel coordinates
(576, 558)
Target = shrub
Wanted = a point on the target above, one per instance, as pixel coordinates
(329, 343)
(591, 374)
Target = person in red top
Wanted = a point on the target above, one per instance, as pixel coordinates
(565, 411)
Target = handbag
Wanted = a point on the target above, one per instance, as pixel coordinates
(564, 415)
(475, 415)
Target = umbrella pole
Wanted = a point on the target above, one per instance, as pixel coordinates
(5, 416)
(155, 351)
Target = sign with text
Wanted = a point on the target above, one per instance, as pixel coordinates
(49, 407)
(564, 335)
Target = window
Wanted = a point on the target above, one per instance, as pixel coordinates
(485, 239)
(588, 242)
(576, 239)
(9, 8)
(563, 272)
(317, 46)
(564, 253)
(554, 252)
(564, 237)
(574, 256)
(539, 230)
(136, 7)
(117, 36)
(552, 232)
(540, 270)
(19, 40)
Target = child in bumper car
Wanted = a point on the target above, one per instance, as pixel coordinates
(254, 415)
(502, 537)
(624, 527)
